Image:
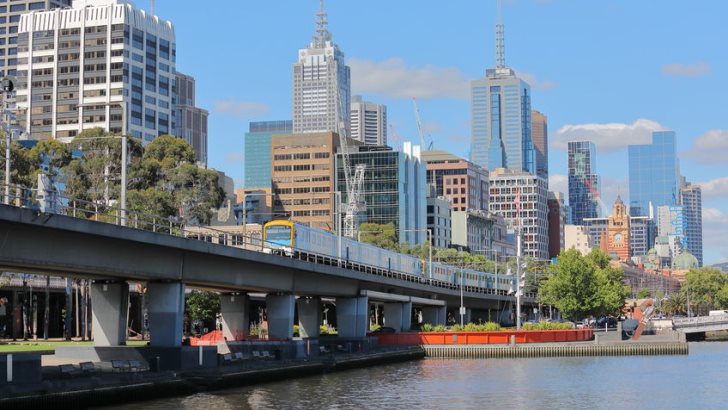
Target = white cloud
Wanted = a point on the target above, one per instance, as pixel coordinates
(607, 137)
(559, 183)
(241, 109)
(687, 70)
(715, 225)
(394, 78)
(716, 188)
(234, 157)
(535, 84)
(710, 148)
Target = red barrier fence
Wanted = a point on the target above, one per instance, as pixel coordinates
(484, 338)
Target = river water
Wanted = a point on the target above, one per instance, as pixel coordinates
(696, 381)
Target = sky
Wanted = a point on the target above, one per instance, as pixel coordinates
(610, 71)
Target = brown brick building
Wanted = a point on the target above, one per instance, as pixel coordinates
(462, 182)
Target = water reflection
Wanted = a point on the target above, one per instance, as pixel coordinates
(660, 382)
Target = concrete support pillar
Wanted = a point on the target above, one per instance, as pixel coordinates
(234, 315)
(280, 309)
(352, 316)
(166, 306)
(434, 315)
(398, 316)
(109, 310)
(309, 317)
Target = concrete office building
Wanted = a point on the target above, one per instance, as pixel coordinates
(190, 121)
(394, 188)
(439, 221)
(10, 12)
(540, 138)
(691, 198)
(257, 158)
(303, 178)
(577, 237)
(478, 231)
(368, 122)
(584, 183)
(501, 117)
(321, 84)
(464, 183)
(521, 199)
(76, 66)
(654, 171)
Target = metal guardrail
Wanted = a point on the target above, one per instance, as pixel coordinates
(99, 211)
(700, 321)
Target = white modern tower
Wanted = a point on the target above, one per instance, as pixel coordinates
(368, 122)
(501, 117)
(321, 84)
(83, 67)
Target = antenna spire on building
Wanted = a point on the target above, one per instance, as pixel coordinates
(322, 27)
(151, 7)
(500, 42)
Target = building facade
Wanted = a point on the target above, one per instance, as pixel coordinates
(190, 122)
(557, 222)
(368, 122)
(521, 199)
(462, 182)
(618, 232)
(641, 237)
(393, 189)
(321, 84)
(439, 221)
(10, 12)
(584, 184)
(78, 67)
(473, 230)
(540, 137)
(257, 158)
(654, 171)
(691, 198)
(302, 178)
(577, 237)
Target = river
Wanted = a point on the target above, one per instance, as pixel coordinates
(696, 381)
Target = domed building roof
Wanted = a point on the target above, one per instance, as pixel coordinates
(685, 261)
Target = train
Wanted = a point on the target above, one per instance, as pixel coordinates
(289, 238)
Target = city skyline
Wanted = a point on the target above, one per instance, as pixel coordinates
(614, 87)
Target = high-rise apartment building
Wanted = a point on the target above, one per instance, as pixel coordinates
(540, 138)
(654, 171)
(439, 221)
(303, 178)
(257, 157)
(462, 182)
(78, 68)
(393, 189)
(691, 198)
(501, 117)
(368, 122)
(584, 186)
(10, 12)
(190, 121)
(521, 198)
(321, 84)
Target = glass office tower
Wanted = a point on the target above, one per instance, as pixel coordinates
(653, 174)
(584, 184)
(257, 159)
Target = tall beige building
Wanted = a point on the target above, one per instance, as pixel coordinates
(540, 138)
(303, 178)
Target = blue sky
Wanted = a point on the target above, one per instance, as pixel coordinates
(611, 71)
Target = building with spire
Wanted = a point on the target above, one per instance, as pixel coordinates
(501, 117)
(321, 84)
(618, 232)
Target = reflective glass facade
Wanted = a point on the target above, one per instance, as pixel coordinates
(584, 184)
(653, 174)
(257, 157)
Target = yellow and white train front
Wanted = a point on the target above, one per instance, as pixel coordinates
(279, 237)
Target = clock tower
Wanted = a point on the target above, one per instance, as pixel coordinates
(618, 231)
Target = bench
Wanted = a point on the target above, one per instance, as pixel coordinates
(87, 367)
(119, 365)
(68, 369)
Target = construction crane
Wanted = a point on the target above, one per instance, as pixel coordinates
(355, 204)
(419, 125)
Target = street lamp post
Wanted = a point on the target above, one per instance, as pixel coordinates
(518, 278)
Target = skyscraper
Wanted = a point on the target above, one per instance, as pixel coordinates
(78, 67)
(540, 137)
(501, 117)
(258, 149)
(191, 121)
(691, 198)
(321, 84)
(654, 171)
(368, 122)
(584, 184)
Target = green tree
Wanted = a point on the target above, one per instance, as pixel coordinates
(644, 294)
(573, 286)
(202, 306)
(705, 287)
(676, 304)
(383, 236)
(611, 290)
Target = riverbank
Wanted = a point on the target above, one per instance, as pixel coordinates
(107, 388)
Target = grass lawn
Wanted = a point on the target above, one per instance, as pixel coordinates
(38, 345)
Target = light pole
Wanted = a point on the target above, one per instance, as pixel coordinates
(121, 104)
(462, 302)
(518, 277)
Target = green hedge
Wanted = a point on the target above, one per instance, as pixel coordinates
(494, 327)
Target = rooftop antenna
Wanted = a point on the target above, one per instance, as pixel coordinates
(151, 7)
(500, 42)
(322, 27)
